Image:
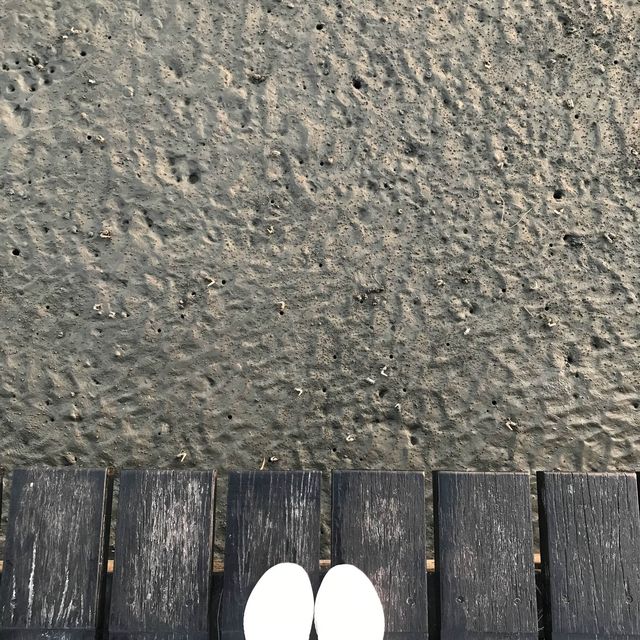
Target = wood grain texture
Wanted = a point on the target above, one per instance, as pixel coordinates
(164, 555)
(590, 536)
(55, 562)
(272, 517)
(378, 525)
(484, 556)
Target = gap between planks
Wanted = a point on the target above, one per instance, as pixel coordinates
(218, 566)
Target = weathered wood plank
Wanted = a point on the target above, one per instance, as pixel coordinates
(484, 556)
(272, 517)
(162, 576)
(590, 538)
(378, 525)
(55, 555)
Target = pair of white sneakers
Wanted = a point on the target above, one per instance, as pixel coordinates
(281, 606)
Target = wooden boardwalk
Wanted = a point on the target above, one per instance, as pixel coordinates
(57, 583)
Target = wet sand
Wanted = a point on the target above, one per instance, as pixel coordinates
(325, 235)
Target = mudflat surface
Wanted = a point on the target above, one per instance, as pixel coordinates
(320, 234)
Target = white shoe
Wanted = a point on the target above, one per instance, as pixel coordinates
(348, 606)
(280, 607)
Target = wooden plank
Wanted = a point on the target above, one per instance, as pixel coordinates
(55, 554)
(590, 539)
(161, 586)
(272, 517)
(378, 525)
(484, 556)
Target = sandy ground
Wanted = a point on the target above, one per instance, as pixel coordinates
(378, 234)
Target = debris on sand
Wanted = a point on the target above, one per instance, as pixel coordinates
(511, 425)
(256, 78)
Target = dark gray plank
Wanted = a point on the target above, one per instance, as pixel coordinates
(55, 561)
(378, 525)
(272, 517)
(163, 566)
(590, 539)
(484, 556)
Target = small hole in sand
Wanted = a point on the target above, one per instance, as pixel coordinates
(558, 194)
(357, 83)
(319, 26)
(230, 416)
(16, 252)
(194, 177)
(83, 53)
(414, 440)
